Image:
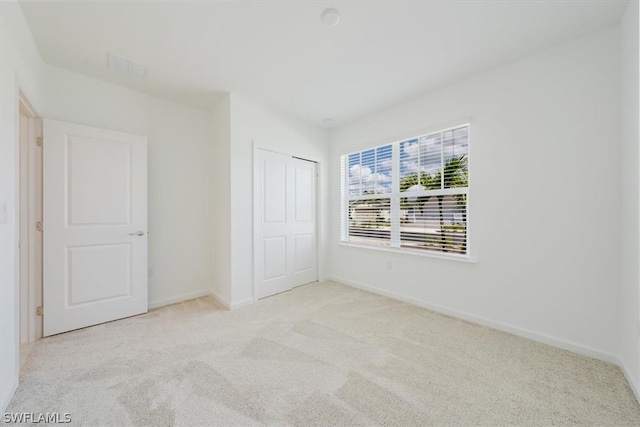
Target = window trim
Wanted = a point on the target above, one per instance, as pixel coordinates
(413, 252)
(395, 195)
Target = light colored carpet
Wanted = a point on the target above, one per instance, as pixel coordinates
(323, 354)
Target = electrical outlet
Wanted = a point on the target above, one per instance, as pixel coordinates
(389, 264)
(150, 273)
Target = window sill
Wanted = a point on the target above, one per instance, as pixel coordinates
(426, 254)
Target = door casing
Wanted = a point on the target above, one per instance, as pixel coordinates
(29, 210)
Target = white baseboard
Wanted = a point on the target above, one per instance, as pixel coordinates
(635, 387)
(221, 300)
(7, 398)
(178, 298)
(535, 336)
(231, 306)
(243, 303)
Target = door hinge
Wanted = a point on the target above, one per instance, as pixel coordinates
(39, 310)
(39, 226)
(39, 141)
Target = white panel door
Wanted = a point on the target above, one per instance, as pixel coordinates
(95, 226)
(273, 194)
(286, 248)
(303, 223)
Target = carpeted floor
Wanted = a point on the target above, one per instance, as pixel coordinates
(323, 354)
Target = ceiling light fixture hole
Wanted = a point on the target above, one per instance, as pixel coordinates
(330, 17)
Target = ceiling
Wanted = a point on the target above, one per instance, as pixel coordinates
(279, 54)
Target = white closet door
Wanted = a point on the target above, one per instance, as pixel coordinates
(95, 226)
(303, 224)
(272, 196)
(286, 249)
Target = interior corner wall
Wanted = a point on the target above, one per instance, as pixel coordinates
(544, 199)
(21, 68)
(179, 168)
(221, 207)
(630, 185)
(254, 124)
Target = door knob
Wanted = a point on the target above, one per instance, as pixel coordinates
(137, 233)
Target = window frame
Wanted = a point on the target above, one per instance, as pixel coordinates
(395, 197)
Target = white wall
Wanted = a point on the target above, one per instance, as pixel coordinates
(544, 202)
(545, 167)
(20, 68)
(630, 286)
(179, 184)
(221, 209)
(253, 123)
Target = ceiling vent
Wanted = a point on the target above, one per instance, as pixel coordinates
(124, 65)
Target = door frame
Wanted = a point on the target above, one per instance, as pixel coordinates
(33, 287)
(255, 225)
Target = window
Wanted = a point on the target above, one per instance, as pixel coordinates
(409, 195)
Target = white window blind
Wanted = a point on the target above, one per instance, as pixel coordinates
(411, 194)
